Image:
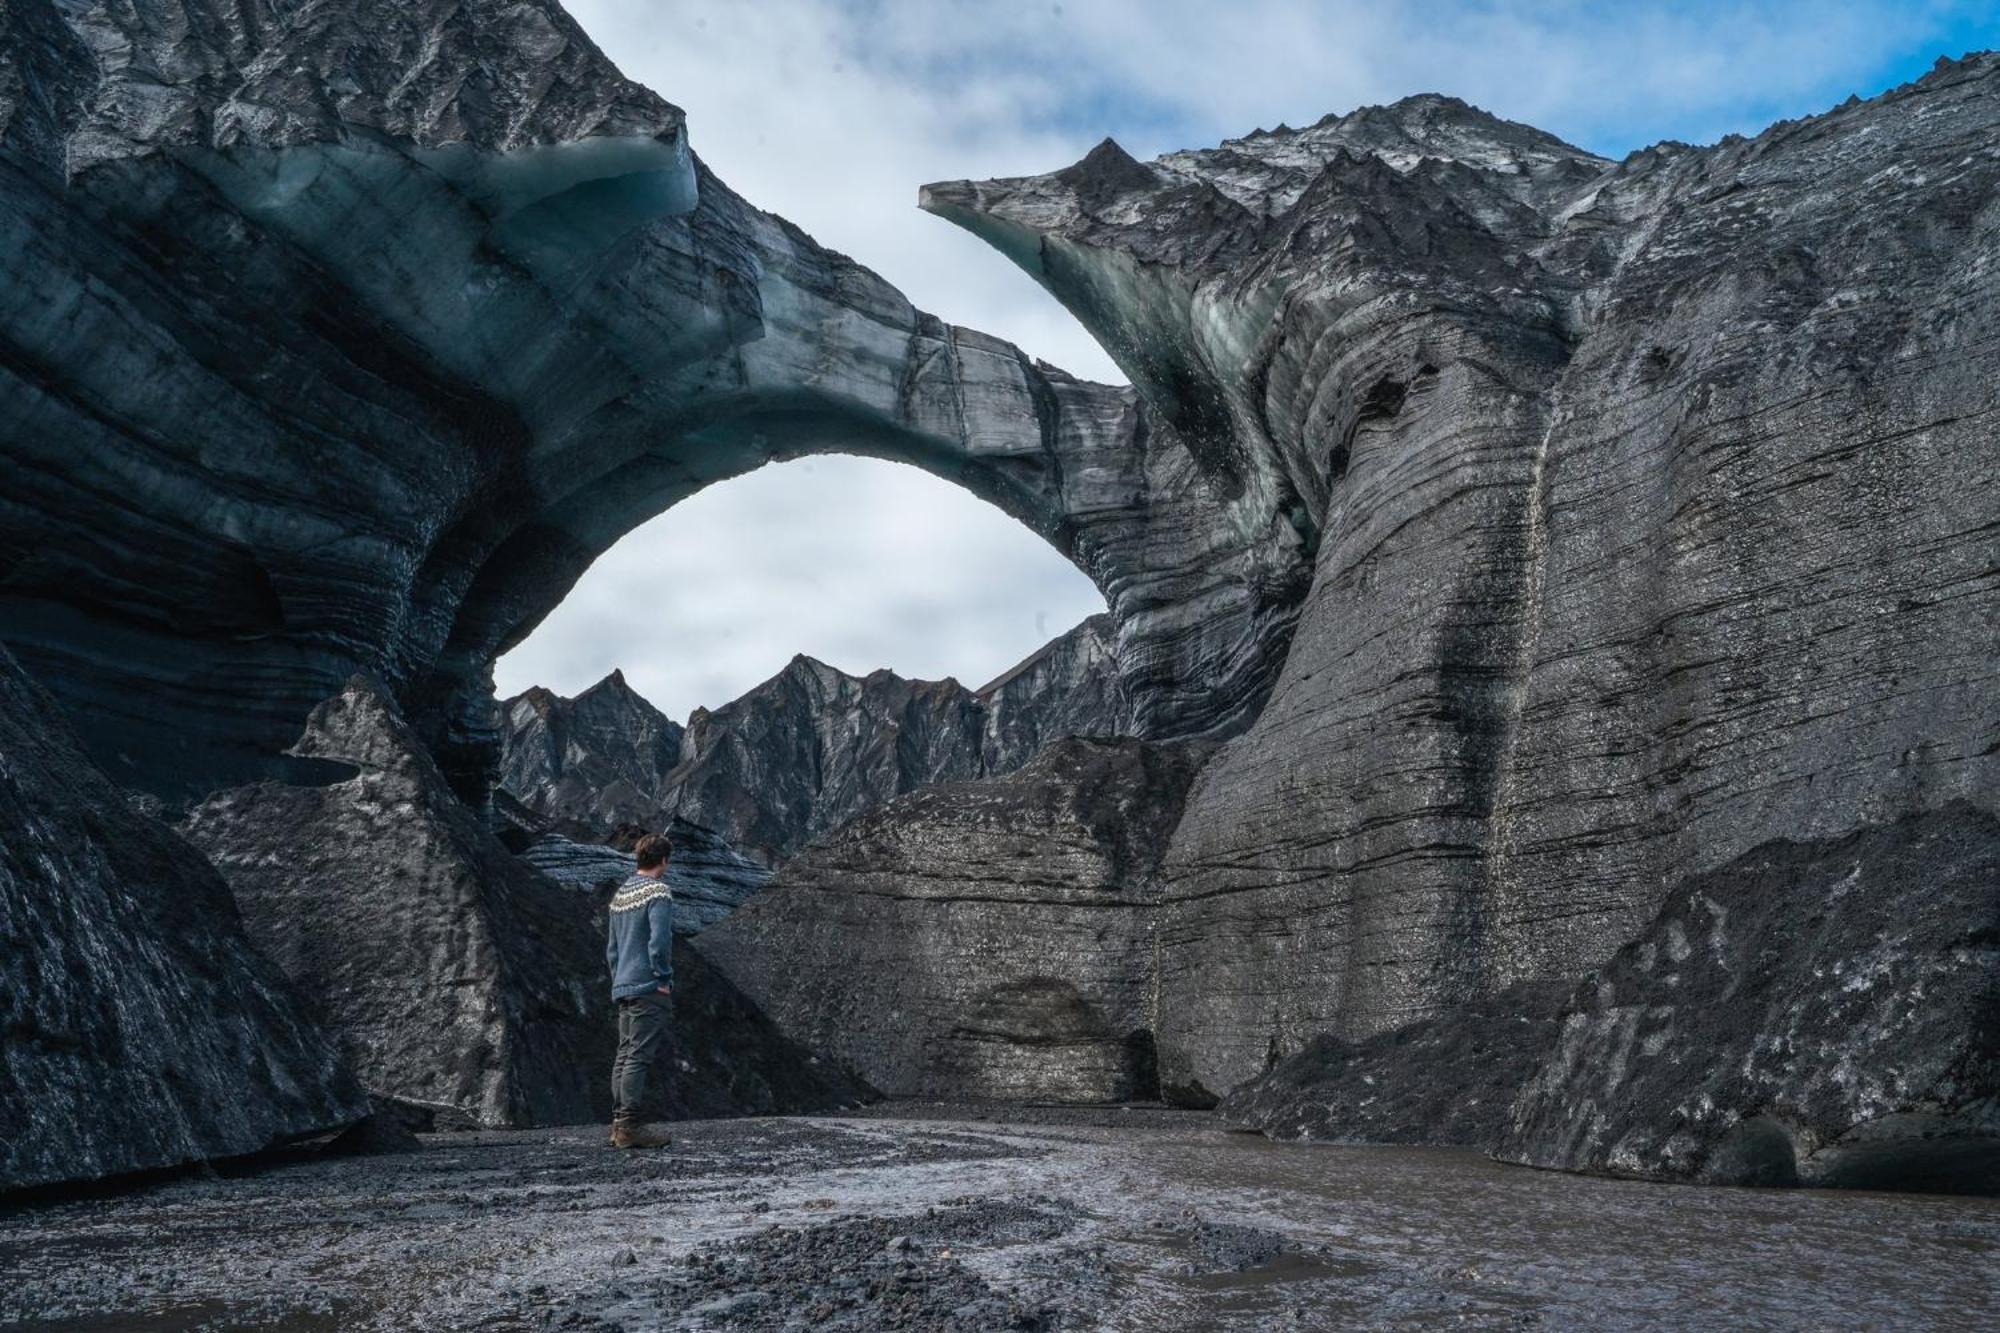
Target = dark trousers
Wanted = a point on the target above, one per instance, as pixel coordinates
(642, 1031)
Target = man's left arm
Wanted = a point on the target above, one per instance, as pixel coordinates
(660, 941)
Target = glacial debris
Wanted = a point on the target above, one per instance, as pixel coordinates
(1821, 1013)
(139, 1028)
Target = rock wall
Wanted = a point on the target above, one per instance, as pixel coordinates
(805, 751)
(461, 982)
(138, 1027)
(1652, 506)
(985, 939)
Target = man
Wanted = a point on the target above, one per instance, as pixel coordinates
(640, 950)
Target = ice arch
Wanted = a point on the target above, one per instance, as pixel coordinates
(375, 407)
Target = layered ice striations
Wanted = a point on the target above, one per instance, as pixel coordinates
(378, 342)
(1634, 496)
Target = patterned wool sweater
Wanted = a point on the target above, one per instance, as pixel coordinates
(640, 943)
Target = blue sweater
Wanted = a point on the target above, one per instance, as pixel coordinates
(640, 943)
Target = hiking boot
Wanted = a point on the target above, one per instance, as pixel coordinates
(635, 1135)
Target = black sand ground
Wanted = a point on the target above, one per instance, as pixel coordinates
(1143, 1220)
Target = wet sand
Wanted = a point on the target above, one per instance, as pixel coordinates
(1107, 1220)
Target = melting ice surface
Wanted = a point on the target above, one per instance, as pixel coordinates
(481, 239)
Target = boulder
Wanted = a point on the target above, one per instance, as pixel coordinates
(1447, 1079)
(1815, 1013)
(139, 1029)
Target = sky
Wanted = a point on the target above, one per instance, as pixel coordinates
(833, 112)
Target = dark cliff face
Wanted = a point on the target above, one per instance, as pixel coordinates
(989, 938)
(1653, 511)
(460, 981)
(595, 761)
(138, 1027)
(805, 751)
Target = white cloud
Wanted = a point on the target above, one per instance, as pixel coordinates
(857, 562)
(833, 112)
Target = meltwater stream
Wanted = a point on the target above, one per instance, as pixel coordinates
(1097, 1220)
